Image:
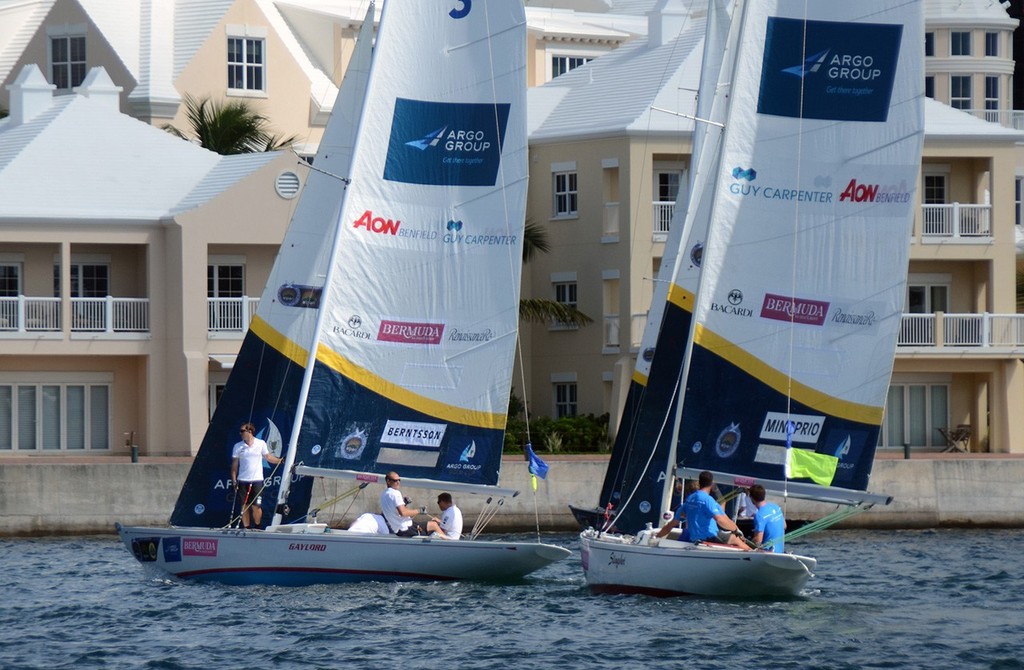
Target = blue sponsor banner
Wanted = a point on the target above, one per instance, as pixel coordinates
(828, 70)
(172, 549)
(446, 143)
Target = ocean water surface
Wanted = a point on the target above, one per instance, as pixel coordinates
(881, 599)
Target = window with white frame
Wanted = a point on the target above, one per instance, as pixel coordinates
(67, 61)
(54, 416)
(565, 294)
(914, 412)
(10, 280)
(1018, 186)
(992, 98)
(960, 43)
(225, 288)
(565, 399)
(216, 390)
(929, 44)
(88, 280)
(560, 64)
(992, 44)
(929, 87)
(247, 63)
(934, 192)
(960, 91)
(927, 297)
(565, 194)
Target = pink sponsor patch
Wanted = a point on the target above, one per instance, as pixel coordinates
(198, 547)
(797, 310)
(410, 333)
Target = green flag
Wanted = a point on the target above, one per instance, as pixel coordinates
(820, 468)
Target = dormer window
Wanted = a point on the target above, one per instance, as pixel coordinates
(67, 61)
(247, 60)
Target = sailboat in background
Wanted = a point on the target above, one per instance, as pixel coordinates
(385, 337)
(800, 231)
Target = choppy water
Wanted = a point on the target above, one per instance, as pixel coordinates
(903, 599)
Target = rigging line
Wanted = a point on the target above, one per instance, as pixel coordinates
(314, 168)
(510, 258)
(792, 266)
(647, 131)
(650, 456)
(688, 116)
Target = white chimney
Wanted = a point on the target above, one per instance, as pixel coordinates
(99, 86)
(666, 21)
(31, 95)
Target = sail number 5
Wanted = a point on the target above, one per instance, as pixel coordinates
(466, 6)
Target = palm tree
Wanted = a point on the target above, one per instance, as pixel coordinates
(228, 128)
(540, 310)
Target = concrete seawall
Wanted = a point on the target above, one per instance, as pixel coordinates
(64, 498)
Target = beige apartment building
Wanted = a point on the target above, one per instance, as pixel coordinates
(608, 157)
(109, 333)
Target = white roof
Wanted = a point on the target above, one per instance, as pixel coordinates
(106, 166)
(615, 93)
(621, 92)
(975, 13)
(943, 122)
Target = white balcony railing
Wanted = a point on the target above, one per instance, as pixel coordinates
(230, 315)
(88, 315)
(662, 218)
(956, 220)
(982, 330)
(1008, 118)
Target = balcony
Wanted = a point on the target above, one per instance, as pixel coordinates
(984, 333)
(229, 317)
(661, 215)
(955, 220)
(116, 318)
(1008, 118)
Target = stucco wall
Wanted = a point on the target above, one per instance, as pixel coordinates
(51, 498)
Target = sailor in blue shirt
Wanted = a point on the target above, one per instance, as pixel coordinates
(705, 518)
(769, 523)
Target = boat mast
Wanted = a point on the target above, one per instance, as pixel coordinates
(729, 62)
(365, 36)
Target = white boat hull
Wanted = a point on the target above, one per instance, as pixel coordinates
(618, 564)
(313, 554)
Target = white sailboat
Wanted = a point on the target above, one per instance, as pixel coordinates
(384, 339)
(807, 212)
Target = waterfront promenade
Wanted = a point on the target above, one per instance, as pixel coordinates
(83, 495)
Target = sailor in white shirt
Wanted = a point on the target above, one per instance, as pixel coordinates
(449, 526)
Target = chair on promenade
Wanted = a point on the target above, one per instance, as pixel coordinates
(957, 439)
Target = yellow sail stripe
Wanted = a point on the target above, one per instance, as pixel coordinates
(782, 383)
(682, 299)
(376, 383)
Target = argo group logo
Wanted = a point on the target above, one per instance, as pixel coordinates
(848, 77)
(446, 143)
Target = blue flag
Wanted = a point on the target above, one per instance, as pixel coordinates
(537, 467)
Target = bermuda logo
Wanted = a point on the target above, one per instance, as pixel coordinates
(809, 66)
(748, 174)
(446, 143)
